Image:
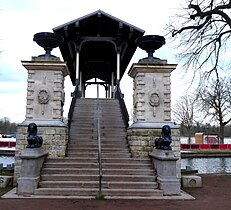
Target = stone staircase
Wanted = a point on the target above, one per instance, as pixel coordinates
(77, 175)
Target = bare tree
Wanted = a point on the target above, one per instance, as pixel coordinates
(6, 127)
(202, 30)
(183, 113)
(214, 101)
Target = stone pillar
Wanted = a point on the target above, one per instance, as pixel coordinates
(151, 107)
(32, 161)
(165, 164)
(45, 101)
(45, 90)
(152, 92)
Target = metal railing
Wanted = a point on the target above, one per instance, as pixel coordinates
(76, 94)
(99, 143)
(120, 97)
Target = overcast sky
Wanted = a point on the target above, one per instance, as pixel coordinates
(21, 19)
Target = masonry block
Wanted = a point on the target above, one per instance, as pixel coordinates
(191, 181)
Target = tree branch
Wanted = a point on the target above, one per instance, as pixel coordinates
(175, 32)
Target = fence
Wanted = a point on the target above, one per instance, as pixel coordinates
(205, 146)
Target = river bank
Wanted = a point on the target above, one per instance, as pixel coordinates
(205, 153)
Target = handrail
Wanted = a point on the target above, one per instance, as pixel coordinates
(99, 143)
(120, 97)
(76, 94)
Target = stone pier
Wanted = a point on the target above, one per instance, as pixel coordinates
(45, 101)
(151, 107)
(32, 161)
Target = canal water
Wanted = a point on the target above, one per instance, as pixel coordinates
(6, 160)
(208, 165)
(203, 165)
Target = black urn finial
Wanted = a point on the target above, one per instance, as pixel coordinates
(48, 41)
(150, 43)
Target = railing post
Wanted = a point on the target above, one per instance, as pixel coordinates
(99, 143)
(118, 95)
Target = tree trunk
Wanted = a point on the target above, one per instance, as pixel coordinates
(222, 133)
(189, 135)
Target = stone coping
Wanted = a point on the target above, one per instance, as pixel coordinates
(150, 68)
(165, 155)
(50, 123)
(33, 153)
(152, 125)
(46, 65)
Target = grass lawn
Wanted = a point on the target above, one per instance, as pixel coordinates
(4, 190)
(207, 151)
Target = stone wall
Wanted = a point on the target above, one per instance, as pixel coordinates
(141, 142)
(55, 140)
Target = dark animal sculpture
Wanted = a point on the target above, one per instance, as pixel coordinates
(165, 140)
(33, 140)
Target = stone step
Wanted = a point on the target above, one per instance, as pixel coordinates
(93, 144)
(93, 137)
(94, 104)
(77, 174)
(78, 123)
(95, 171)
(91, 177)
(108, 145)
(95, 191)
(93, 101)
(106, 150)
(71, 165)
(95, 184)
(132, 192)
(85, 126)
(112, 135)
(90, 135)
(103, 126)
(88, 112)
(95, 155)
(95, 160)
(67, 191)
(95, 165)
(84, 138)
(114, 108)
(72, 160)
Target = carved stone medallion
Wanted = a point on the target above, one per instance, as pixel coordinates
(43, 96)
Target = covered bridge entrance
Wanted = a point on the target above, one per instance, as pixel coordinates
(97, 48)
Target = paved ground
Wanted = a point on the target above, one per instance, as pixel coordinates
(214, 195)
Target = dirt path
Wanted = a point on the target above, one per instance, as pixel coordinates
(214, 195)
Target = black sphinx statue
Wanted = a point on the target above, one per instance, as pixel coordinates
(33, 140)
(165, 140)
